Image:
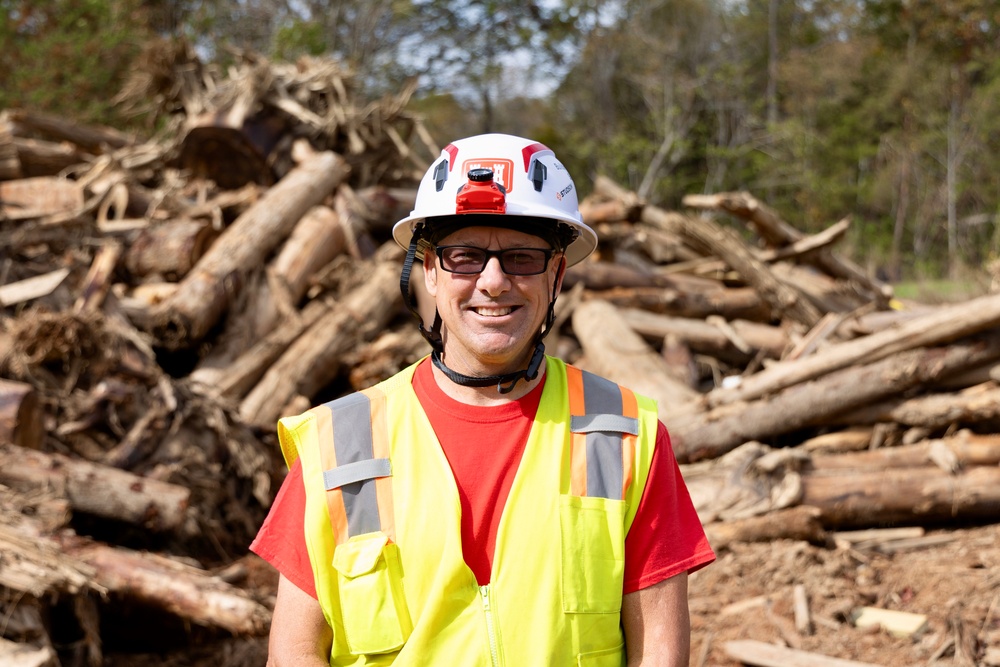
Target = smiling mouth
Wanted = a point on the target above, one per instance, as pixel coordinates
(493, 312)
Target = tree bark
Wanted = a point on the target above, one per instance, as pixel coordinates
(937, 327)
(732, 303)
(170, 250)
(710, 434)
(20, 415)
(315, 358)
(795, 523)
(96, 489)
(315, 241)
(205, 294)
(934, 411)
(864, 498)
(737, 338)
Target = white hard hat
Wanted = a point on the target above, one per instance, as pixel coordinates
(505, 176)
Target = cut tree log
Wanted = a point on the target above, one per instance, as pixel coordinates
(614, 350)
(169, 249)
(188, 592)
(699, 435)
(316, 357)
(962, 450)
(779, 233)
(94, 138)
(761, 654)
(21, 417)
(795, 523)
(713, 239)
(732, 303)
(315, 241)
(937, 327)
(908, 496)
(934, 411)
(206, 292)
(28, 198)
(739, 338)
(97, 489)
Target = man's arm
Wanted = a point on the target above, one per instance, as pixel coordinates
(300, 635)
(657, 624)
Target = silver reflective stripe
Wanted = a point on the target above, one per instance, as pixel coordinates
(603, 402)
(617, 423)
(352, 441)
(358, 471)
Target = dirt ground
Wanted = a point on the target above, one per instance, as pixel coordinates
(748, 594)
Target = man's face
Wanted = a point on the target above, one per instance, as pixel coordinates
(490, 319)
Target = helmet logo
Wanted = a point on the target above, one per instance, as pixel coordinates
(503, 170)
(565, 191)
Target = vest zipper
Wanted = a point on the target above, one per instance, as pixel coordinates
(484, 592)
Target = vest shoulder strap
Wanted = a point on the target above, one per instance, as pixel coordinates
(604, 420)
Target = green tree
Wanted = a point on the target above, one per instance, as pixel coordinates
(68, 57)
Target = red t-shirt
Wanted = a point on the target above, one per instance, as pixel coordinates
(666, 537)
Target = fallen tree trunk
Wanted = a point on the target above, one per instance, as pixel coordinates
(732, 303)
(864, 498)
(316, 239)
(188, 592)
(710, 434)
(770, 226)
(962, 450)
(205, 294)
(315, 358)
(937, 327)
(795, 523)
(739, 337)
(615, 351)
(20, 415)
(96, 489)
(934, 411)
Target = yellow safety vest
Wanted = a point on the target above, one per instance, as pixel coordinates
(383, 529)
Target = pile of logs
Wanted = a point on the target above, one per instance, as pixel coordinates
(163, 302)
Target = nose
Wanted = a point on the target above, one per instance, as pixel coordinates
(493, 280)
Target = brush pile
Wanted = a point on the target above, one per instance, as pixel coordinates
(163, 301)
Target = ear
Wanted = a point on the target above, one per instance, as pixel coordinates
(560, 274)
(430, 273)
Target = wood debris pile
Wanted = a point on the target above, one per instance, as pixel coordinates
(165, 301)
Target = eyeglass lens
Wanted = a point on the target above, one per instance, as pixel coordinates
(513, 261)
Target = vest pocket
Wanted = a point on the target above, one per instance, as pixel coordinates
(611, 657)
(370, 587)
(592, 532)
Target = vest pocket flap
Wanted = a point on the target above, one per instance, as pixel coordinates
(608, 423)
(359, 555)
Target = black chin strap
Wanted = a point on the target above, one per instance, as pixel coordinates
(505, 383)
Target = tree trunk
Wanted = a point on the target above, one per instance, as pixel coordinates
(710, 434)
(617, 352)
(170, 250)
(316, 239)
(205, 294)
(738, 338)
(315, 358)
(927, 495)
(937, 327)
(96, 489)
(20, 415)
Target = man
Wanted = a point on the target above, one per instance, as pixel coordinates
(489, 505)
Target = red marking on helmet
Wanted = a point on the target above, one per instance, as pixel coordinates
(481, 197)
(452, 151)
(528, 151)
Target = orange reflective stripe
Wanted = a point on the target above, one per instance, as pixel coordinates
(578, 441)
(630, 408)
(328, 459)
(380, 450)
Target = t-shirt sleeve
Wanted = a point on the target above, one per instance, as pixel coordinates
(281, 540)
(666, 536)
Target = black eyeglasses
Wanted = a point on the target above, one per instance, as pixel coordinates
(470, 260)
